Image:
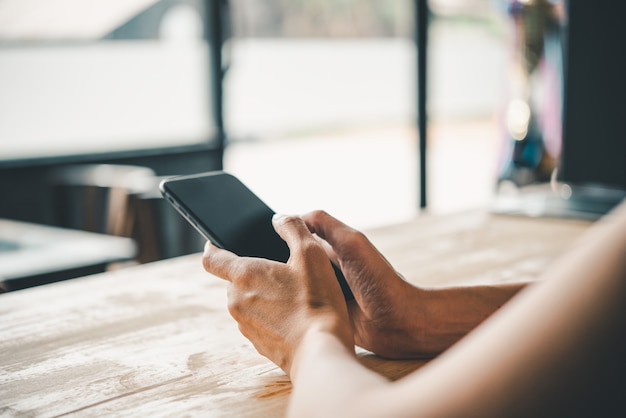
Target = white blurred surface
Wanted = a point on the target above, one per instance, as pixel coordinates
(109, 96)
(369, 177)
(65, 19)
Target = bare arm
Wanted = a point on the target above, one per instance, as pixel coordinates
(453, 312)
(325, 369)
(556, 350)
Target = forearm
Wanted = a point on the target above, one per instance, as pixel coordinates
(448, 314)
(328, 380)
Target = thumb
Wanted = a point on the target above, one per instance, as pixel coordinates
(293, 231)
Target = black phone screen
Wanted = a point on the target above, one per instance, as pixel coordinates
(229, 214)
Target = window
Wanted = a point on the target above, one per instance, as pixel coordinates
(100, 77)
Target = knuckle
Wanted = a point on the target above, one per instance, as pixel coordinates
(357, 236)
(318, 215)
(291, 220)
(355, 242)
(235, 304)
(246, 274)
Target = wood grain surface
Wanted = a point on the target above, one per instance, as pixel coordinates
(157, 340)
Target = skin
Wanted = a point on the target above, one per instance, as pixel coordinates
(556, 348)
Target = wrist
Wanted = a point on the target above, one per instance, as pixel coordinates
(425, 322)
(399, 329)
(412, 329)
(322, 336)
(450, 313)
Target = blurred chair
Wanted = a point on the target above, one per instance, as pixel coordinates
(160, 231)
(122, 200)
(94, 197)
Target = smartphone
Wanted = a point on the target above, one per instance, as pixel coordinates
(231, 216)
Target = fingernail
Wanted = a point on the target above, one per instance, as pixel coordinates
(278, 217)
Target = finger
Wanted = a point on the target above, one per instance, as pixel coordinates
(304, 249)
(293, 231)
(330, 252)
(220, 262)
(327, 227)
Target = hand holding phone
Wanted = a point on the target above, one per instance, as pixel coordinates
(231, 216)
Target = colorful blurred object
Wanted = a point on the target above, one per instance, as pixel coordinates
(532, 116)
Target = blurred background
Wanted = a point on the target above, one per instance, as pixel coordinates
(327, 91)
(319, 97)
(314, 104)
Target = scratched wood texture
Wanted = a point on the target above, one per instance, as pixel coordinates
(156, 340)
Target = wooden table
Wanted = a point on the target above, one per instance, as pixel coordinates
(156, 340)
